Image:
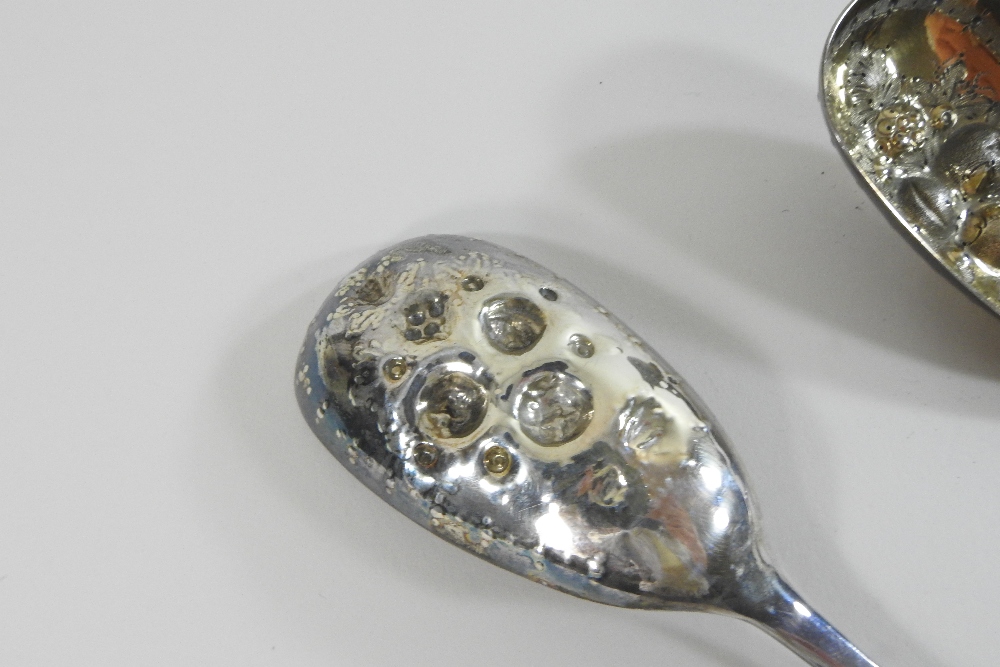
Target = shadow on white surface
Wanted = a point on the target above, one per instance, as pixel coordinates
(786, 228)
(784, 217)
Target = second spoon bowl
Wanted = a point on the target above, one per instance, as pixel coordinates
(911, 92)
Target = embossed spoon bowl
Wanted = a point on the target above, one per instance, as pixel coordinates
(504, 410)
(911, 91)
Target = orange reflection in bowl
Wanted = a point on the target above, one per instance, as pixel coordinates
(952, 40)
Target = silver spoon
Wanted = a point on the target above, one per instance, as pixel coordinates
(506, 411)
(911, 91)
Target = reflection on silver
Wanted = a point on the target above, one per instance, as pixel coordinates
(581, 346)
(605, 486)
(512, 324)
(912, 96)
(593, 469)
(451, 404)
(497, 460)
(553, 407)
(642, 423)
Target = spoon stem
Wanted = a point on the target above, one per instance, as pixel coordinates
(785, 615)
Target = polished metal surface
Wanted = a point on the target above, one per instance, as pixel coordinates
(504, 410)
(910, 90)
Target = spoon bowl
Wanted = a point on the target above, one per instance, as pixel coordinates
(911, 91)
(504, 410)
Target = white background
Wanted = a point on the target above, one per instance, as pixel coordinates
(182, 183)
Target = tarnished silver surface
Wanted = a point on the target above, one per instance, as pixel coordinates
(910, 89)
(504, 410)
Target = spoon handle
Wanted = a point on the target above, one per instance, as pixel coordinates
(785, 616)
